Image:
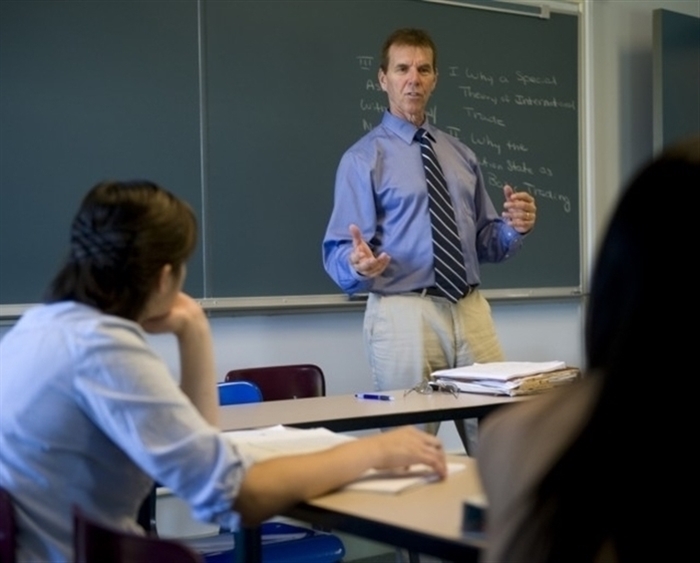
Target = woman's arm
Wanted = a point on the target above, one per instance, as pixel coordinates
(271, 486)
(187, 321)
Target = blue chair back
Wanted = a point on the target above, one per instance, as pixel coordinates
(308, 546)
(238, 393)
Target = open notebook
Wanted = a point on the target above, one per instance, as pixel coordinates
(278, 441)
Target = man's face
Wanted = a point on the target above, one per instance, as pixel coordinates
(408, 81)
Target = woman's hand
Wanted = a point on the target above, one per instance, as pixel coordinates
(272, 485)
(184, 313)
(405, 446)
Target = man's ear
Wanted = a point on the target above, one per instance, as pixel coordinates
(381, 76)
(434, 84)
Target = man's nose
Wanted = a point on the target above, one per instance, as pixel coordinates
(413, 74)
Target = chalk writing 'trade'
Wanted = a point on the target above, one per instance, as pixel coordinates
(479, 116)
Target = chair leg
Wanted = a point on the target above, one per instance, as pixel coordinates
(248, 546)
(147, 513)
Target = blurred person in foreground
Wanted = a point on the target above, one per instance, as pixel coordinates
(573, 476)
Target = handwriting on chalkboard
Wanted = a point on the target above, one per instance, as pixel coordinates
(489, 119)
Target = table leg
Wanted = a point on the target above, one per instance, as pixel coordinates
(248, 546)
(467, 428)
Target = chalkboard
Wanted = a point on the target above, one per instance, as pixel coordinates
(286, 88)
(89, 91)
(676, 77)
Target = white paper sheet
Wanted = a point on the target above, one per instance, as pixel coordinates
(277, 441)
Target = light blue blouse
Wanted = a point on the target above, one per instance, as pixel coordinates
(90, 415)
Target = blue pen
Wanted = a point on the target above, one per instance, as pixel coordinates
(374, 396)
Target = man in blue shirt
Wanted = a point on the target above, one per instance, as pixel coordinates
(379, 237)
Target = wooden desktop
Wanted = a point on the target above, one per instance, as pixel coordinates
(345, 413)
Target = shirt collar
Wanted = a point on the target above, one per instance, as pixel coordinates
(403, 129)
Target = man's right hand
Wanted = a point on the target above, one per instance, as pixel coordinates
(362, 259)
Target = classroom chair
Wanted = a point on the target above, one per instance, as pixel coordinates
(293, 381)
(238, 393)
(93, 542)
(8, 528)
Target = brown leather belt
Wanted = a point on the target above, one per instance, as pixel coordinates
(435, 292)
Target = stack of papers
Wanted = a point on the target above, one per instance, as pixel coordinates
(276, 441)
(508, 378)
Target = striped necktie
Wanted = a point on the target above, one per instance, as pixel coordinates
(450, 273)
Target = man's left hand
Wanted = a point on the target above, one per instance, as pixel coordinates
(519, 209)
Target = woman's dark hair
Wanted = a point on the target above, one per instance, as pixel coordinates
(598, 494)
(120, 239)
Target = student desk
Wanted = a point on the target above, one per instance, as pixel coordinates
(425, 519)
(345, 413)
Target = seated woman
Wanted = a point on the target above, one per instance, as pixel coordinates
(573, 476)
(90, 415)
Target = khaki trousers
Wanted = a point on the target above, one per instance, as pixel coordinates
(408, 336)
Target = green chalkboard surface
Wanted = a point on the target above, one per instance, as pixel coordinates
(676, 74)
(89, 91)
(249, 121)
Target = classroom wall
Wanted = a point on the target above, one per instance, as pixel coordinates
(618, 63)
(620, 41)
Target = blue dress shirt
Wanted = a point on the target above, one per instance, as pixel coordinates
(380, 186)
